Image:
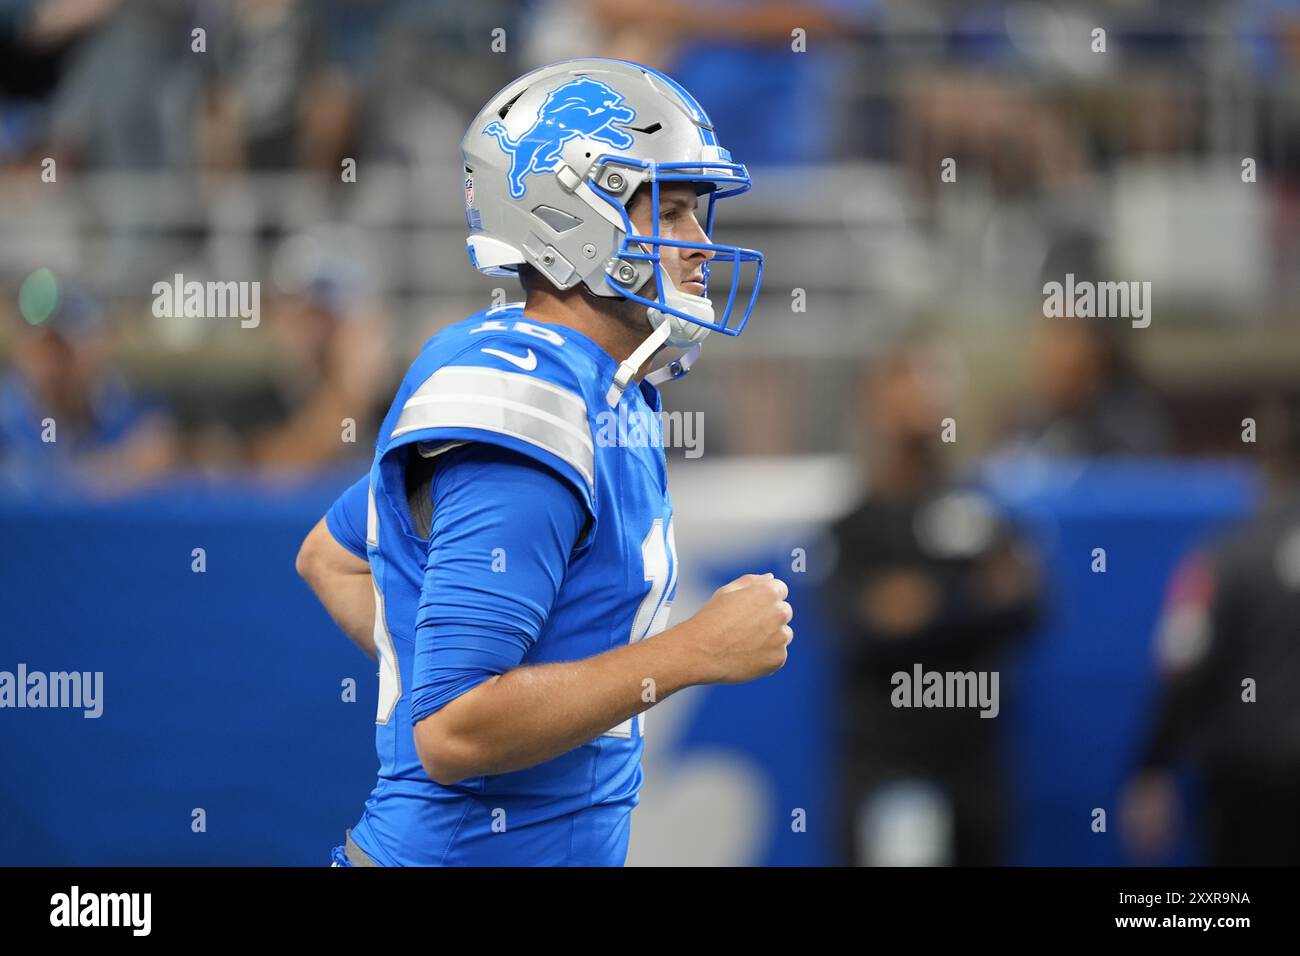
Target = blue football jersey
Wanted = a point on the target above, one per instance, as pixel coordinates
(541, 390)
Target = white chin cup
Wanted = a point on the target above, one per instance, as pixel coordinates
(681, 333)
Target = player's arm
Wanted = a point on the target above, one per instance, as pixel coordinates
(475, 710)
(532, 714)
(332, 560)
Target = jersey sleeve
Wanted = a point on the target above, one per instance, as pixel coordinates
(346, 519)
(504, 529)
(514, 391)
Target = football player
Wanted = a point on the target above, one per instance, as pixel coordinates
(509, 560)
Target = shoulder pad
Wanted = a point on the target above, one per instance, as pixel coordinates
(515, 388)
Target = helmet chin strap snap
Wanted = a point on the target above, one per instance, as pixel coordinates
(675, 369)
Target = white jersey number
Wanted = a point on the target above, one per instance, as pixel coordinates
(659, 561)
(390, 680)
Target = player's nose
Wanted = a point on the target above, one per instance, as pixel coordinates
(697, 234)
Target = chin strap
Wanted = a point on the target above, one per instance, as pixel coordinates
(670, 372)
(634, 361)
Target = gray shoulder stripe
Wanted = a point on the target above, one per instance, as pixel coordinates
(513, 385)
(519, 423)
(542, 414)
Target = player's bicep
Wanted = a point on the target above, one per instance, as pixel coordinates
(322, 556)
(504, 528)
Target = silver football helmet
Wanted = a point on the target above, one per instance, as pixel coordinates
(552, 161)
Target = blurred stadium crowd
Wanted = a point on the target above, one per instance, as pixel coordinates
(892, 299)
(226, 164)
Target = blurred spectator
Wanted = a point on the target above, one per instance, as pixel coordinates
(67, 416)
(429, 72)
(101, 86)
(1087, 396)
(996, 129)
(287, 80)
(33, 56)
(771, 103)
(127, 82)
(928, 573)
(332, 340)
(1230, 617)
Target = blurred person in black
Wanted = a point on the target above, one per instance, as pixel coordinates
(35, 50)
(1230, 617)
(927, 573)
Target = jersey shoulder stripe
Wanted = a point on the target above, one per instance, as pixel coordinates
(508, 403)
(498, 378)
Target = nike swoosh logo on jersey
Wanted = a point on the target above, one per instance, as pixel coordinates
(526, 362)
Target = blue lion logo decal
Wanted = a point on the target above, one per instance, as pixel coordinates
(584, 108)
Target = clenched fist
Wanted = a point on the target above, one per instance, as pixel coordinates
(743, 631)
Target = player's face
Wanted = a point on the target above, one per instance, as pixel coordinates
(678, 208)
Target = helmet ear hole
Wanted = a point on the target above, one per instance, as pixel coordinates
(556, 220)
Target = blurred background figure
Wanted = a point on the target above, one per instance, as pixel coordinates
(332, 374)
(928, 573)
(1086, 394)
(102, 82)
(1229, 657)
(336, 364)
(69, 421)
(734, 55)
(283, 91)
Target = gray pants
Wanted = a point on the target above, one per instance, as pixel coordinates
(356, 856)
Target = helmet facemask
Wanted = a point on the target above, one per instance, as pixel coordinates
(690, 318)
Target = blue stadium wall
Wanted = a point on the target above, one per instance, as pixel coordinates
(223, 690)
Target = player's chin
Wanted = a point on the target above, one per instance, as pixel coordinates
(693, 288)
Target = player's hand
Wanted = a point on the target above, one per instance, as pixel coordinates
(743, 630)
